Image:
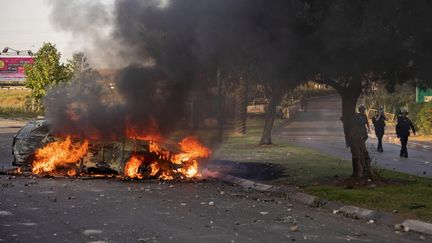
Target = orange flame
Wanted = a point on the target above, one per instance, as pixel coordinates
(134, 134)
(192, 146)
(158, 161)
(192, 149)
(186, 162)
(155, 148)
(132, 166)
(71, 172)
(55, 154)
(149, 133)
(154, 168)
(166, 176)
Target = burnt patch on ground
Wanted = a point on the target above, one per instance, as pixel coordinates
(256, 171)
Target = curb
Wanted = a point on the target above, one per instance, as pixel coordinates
(372, 216)
(418, 226)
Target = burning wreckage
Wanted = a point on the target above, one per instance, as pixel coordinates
(37, 151)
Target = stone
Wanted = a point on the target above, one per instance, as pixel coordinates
(305, 198)
(418, 226)
(356, 212)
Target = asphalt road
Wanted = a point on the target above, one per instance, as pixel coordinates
(36, 209)
(320, 128)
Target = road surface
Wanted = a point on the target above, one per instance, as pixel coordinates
(36, 209)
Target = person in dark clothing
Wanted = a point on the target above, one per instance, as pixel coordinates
(304, 103)
(364, 122)
(403, 127)
(379, 124)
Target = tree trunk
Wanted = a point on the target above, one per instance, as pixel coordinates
(241, 106)
(361, 160)
(269, 119)
(220, 102)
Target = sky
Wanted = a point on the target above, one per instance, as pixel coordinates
(25, 24)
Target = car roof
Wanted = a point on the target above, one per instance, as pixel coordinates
(32, 127)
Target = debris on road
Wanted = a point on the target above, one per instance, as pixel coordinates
(294, 228)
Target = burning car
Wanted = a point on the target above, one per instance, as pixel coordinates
(135, 156)
(30, 137)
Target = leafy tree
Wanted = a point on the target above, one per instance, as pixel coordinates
(361, 43)
(80, 71)
(424, 119)
(78, 64)
(46, 72)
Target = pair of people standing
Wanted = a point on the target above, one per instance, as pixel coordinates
(403, 127)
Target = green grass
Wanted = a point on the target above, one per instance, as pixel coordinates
(408, 195)
(12, 103)
(302, 166)
(325, 175)
(12, 112)
(13, 97)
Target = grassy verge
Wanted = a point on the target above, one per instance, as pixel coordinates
(12, 103)
(12, 112)
(13, 97)
(322, 175)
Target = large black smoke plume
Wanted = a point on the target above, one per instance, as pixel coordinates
(165, 48)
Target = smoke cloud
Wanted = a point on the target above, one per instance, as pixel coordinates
(161, 51)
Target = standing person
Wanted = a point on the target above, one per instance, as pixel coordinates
(364, 122)
(304, 103)
(379, 124)
(403, 127)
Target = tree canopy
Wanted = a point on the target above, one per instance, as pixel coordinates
(46, 72)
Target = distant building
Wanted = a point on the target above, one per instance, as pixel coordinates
(12, 64)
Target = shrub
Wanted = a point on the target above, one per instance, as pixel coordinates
(424, 119)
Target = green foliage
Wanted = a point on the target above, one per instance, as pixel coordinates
(402, 96)
(78, 64)
(424, 119)
(46, 72)
(401, 192)
(82, 75)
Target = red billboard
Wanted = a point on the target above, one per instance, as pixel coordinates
(12, 67)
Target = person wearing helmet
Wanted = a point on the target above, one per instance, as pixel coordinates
(379, 124)
(403, 127)
(364, 122)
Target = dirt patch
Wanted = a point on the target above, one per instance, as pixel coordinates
(247, 170)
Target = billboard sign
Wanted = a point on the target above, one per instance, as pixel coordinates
(423, 95)
(12, 67)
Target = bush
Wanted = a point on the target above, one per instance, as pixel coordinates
(424, 119)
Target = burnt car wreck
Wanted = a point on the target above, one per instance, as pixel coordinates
(38, 151)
